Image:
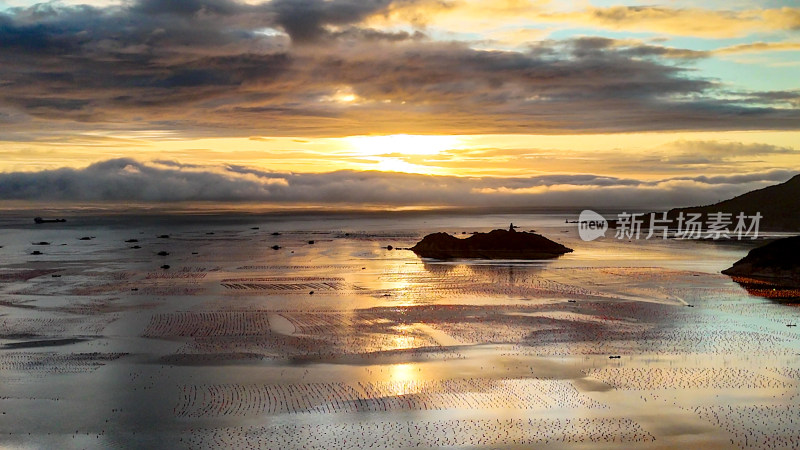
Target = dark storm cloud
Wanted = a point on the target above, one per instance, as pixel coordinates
(125, 179)
(596, 46)
(221, 67)
(60, 104)
(789, 98)
(370, 35)
(306, 20)
(188, 8)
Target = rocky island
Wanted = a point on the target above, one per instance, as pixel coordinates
(772, 270)
(496, 244)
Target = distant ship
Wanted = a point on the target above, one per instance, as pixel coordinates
(40, 220)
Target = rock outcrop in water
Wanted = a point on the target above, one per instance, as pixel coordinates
(772, 270)
(497, 244)
(778, 259)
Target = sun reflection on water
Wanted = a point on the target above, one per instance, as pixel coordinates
(403, 338)
(404, 378)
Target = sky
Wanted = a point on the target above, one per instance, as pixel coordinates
(397, 102)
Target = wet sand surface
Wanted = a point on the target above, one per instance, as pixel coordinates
(343, 343)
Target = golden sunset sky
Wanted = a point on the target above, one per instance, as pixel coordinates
(397, 102)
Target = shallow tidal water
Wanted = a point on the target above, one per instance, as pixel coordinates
(343, 343)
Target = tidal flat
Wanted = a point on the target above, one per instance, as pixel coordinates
(304, 331)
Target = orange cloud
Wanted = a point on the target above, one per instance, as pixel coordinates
(760, 47)
(483, 16)
(684, 22)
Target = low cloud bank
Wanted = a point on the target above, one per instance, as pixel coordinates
(130, 180)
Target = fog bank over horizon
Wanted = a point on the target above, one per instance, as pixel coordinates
(125, 180)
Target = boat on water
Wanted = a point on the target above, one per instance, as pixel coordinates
(40, 220)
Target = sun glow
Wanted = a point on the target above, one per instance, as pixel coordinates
(402, 144)
(398, 165)
(387, 152)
